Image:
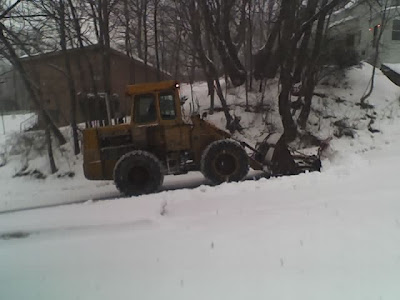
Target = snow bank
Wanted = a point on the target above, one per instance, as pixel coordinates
(12, 123)
(393, 67)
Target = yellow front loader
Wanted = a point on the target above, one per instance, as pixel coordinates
(158, 142)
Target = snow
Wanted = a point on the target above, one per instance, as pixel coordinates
(393, 67)
(349, 5)
(341, 21)
(11, 123)
(329, 235)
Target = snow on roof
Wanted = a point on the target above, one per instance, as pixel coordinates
(90, 47)
(393, 67)
(341, 21)
(349, 5)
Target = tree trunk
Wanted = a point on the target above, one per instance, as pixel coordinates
(156, 48)
(211, 93)
(303, 50)
(250, 48)
(311, 71)
(95, 19)
(53, 167)
(225, 107)
(93, 84)
(71, 83)
(210, 80)
(266, 61)
(105, 44)
(78, 32)
(286, 48)
(14, 59)
(139, 17)
(163, 64)
(146, 50)
(177, 56)
(207, 65)
(223, 43)
(128, 49)
(376, 54)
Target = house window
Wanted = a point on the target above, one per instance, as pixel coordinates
(396, 30)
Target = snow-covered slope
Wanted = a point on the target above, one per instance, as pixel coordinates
(337, 101)
(12, 123)
(329, 235)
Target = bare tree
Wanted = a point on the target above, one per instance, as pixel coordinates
(145, 34)
(311, 69)
(156, 44)
(219, 28)
(280, 51)
(71, 84)
(9, 40)
(193, 16)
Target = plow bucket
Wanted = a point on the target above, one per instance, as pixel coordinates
(274, 153)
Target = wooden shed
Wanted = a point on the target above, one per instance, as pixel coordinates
(48, 72)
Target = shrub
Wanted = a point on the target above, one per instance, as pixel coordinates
(337, 53)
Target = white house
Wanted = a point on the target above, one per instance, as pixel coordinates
(359, 23)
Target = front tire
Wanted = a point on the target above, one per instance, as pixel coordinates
(137, 173)
(224, 161)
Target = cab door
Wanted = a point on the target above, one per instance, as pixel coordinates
(145, 122)
(177, 134)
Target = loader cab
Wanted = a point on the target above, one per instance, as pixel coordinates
(156, 118)
(155, 104)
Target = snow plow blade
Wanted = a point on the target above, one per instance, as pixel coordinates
(278, 160)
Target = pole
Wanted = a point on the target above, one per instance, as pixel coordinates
(2, 120)
(2, 115)
(107, 99)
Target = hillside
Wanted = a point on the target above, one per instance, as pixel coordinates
(332, 235)
(335, 114)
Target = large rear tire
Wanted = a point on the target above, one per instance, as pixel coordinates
(224, 161)
(138, 172)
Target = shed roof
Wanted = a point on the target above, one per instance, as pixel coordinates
(142, 88)
(90, 48)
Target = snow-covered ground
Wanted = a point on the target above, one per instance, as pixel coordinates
(329, 235)
(12, 123)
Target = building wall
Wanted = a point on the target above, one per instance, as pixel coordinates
(390, 47)
(128, 71)
(13, 95)
(48, 72)
(360, 21)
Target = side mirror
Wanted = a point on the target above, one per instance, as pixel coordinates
(204, 115)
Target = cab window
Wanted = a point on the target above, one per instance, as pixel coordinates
(167, 106)
(145, 108)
